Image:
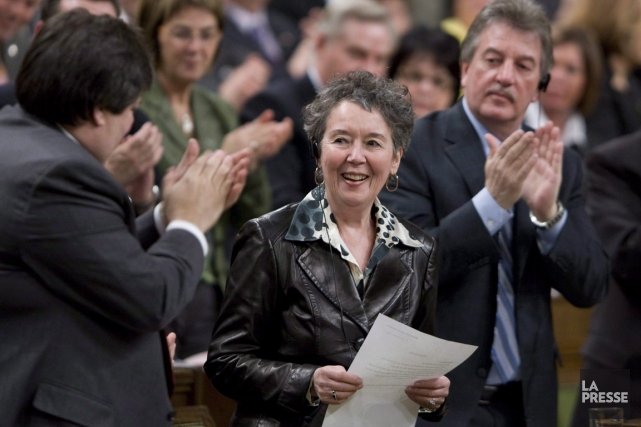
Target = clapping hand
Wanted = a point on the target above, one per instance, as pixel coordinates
(541, 189)
(508, 165)
(200, 188)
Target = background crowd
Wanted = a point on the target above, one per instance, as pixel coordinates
(236, 77)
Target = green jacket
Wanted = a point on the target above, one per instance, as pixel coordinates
(213, 118)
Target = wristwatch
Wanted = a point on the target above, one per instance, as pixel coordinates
(546, 225)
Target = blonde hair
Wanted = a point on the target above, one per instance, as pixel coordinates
(611, 21)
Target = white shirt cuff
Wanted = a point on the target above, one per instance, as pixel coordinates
(180, 224)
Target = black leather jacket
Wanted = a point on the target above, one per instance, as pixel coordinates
(291, 306)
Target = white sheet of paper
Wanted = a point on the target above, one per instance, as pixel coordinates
(393, 356)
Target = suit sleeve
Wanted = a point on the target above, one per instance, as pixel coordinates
(240, 363)
(78, 243)
(615, 208)
(577, 266)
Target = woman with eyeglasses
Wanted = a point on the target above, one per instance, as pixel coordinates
(184, 36)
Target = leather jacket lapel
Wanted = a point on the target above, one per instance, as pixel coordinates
(331, 277)
(378, 293)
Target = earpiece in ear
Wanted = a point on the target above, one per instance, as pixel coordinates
(543, 83)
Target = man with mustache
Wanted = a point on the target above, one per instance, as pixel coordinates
(506, 206)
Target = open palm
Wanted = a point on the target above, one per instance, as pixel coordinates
(541, 188)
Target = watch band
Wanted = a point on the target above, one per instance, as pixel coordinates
(545, 225)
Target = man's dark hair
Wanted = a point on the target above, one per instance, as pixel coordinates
(50, 8)
(78, 63)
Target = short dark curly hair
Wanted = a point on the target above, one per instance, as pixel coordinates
(386, 96)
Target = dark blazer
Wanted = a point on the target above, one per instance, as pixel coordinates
(291, 171)
(84, 287)
(296, 9)
(7, 94)
(235, 46)
(615, 113)
(441, 172)
(291, 306)
(614, 202)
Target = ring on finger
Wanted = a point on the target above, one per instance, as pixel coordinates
(334, 395)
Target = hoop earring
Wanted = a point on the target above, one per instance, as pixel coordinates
(392, 183)
(318, 176)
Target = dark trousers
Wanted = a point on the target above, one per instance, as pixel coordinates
(500, 406)
(193, 327)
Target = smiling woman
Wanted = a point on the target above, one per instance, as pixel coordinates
(325, 267)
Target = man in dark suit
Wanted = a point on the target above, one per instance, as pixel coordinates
(85, 287)
(614, 205)
(353, 36)
(252, 27)
(508, 212)
(142, 148)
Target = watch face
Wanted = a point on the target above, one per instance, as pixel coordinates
(537, 223)
(548, 224)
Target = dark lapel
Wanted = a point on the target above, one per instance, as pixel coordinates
(463, 147)
(333, 280)
(234, 37)
(379, 293)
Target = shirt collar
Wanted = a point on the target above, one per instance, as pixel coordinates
(245, 19)
(314, 77)
(68, 134)
(314, 220)
(478, 126)
(481, 130)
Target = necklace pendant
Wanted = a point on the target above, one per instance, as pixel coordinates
(187, 124)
